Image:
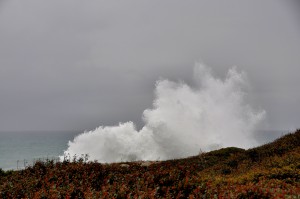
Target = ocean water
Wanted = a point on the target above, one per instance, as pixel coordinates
(19, 149)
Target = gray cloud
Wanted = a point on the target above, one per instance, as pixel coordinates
(77, 65)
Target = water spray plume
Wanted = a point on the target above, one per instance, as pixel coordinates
(183, 120)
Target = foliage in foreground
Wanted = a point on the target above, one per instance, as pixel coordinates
(269, 171)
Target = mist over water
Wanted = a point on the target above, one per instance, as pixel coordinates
(184, 119)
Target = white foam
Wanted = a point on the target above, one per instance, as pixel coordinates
(182, 121)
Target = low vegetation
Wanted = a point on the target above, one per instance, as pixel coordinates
(268, 171)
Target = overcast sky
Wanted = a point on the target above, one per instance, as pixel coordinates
(75, 65)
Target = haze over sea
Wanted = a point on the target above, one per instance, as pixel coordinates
(16, 146)
(29, 146)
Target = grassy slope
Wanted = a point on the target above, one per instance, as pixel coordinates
(268, 171)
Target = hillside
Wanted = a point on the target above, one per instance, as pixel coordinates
(269, 171)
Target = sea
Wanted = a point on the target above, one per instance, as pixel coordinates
(21, 149)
